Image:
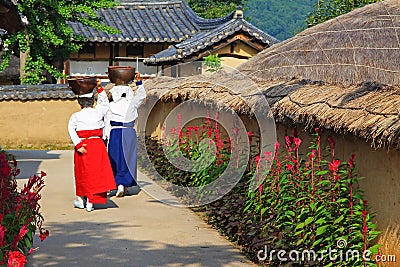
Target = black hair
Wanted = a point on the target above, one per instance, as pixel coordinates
(86, 102)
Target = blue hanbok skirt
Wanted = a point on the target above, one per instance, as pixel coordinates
(122, 150)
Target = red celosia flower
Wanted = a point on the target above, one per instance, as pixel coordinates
(288, 141)
(364, 213)
(312, 154)
(3, 230)
(16, 259)
(260, 188)
(334, 166)
(44, 235)
(277, 145)
(331, 142)
(23, 231)
(43, 174)
(289, 166)
(351, 161)
(297, 142)
(196, 129)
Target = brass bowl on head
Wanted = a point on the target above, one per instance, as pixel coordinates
(81, 86)
(121, 75)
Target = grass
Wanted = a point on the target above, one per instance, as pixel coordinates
(38, 147)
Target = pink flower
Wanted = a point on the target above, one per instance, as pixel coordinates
(334, 166)
(23, 231)
(288, 141)
(235, 130)
(351, 161)
(277, 145)
(364, 213)
(16, 259)
(297, 142)
(331, 142)
(3, 230)
(289, 166)
(260, 188)
(312, 155)
(196, 129)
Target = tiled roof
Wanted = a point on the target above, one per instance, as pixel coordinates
(205, 40)
(36, 92)
(149, 22)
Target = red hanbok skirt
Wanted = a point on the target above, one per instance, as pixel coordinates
(93, 173)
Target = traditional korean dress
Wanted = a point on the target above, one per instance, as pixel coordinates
(122, 145)
(93, 173)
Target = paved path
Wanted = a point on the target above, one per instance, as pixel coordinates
(132, 231)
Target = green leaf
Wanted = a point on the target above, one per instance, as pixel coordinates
(299, 226)
(308, 220)
(321, 230)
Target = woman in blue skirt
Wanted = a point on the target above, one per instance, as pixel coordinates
(122, 139)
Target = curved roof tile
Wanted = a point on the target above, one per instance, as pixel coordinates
(203, 40)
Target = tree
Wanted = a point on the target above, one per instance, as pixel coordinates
(215, 9)
(328, 9)
(48, 39)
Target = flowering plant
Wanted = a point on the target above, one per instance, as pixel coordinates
(19, 213)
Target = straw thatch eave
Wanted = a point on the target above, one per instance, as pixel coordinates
(363, 45)
(367, 110)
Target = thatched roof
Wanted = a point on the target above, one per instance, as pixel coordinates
(361, 99)
(363, 45)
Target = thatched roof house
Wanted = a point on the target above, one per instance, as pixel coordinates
(342, 74)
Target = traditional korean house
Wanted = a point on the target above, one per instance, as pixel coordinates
(157, 34)
(342, 76)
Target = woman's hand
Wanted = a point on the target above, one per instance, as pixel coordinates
(82, 149)
(137, 76)
(98, 82)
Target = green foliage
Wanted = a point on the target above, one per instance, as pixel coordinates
(212, 62)
(214, 9)
(313, 204)
(327, 9)
(307, 201)
(280, 18)
(20, 214)
(48, 38)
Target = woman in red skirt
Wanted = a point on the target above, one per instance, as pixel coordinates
(93, 173)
